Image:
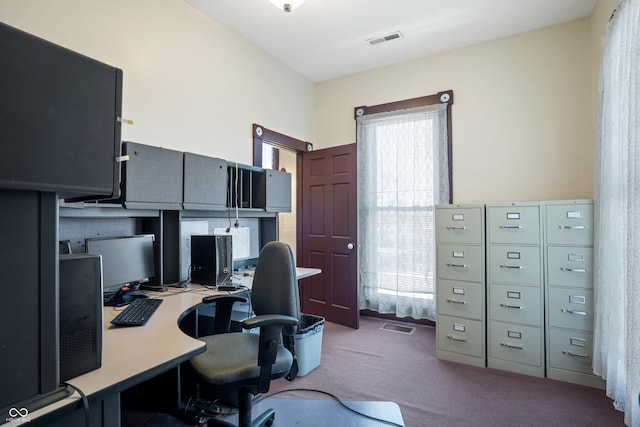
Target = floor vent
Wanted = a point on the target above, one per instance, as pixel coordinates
(398, 328)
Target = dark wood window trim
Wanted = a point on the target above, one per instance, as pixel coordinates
(445, 97)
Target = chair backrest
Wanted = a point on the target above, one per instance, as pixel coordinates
(275, 288)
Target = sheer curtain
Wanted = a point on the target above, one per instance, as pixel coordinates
(402, 174)
(617, 214)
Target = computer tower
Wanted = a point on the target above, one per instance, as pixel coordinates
(211, 260)
(81, 314)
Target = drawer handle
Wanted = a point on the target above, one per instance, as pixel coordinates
(456, 265)
(456, 301)
(511, 227)
(519, 307)
(506, 344)
(579, 313)
(456, 228)
(571, 353)
(514, 267)
(571, 227)
(454, 338)
(574, 270)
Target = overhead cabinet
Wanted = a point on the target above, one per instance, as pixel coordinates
(256, 188)
(151, 177)
(205, 182)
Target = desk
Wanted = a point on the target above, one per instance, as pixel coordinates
(135, 354)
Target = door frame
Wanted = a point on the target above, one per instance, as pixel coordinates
(261, 136)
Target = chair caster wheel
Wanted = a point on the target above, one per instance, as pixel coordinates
(270, 420)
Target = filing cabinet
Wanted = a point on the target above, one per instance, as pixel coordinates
(460, 284)
(569, 291)
(515, 301)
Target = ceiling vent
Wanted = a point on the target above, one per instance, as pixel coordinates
(377, 40)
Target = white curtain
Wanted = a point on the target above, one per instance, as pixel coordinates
(617, 214)
(402, 174)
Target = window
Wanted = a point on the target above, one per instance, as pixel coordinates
(403, 172)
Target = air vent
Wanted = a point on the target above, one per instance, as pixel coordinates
(377, 40)
(397, 328)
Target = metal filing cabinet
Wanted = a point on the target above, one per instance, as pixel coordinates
(569, 291)
(515, 331)
(460, 284)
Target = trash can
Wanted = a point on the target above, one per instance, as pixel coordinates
(308, 343)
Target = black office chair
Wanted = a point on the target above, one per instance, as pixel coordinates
(247, 362)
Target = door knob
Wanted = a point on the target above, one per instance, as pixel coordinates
(350, 246)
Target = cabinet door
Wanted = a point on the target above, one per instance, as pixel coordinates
(152, 177)
(205, 182)
(278, 191)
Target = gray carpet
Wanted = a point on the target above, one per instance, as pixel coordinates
(370, 364)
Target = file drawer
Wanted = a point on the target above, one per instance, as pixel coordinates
(515, 304)
(516, 343)
(460, 225)
(570, 224)
(570, 266)
(570, 308)
(458, 262)
(460, 335)
(465, 299)
(571, 350)
(515, 264)
(518, 225)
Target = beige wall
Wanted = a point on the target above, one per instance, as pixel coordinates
(522, 113)
(189, 84)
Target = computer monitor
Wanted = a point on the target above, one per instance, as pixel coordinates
(125, 260)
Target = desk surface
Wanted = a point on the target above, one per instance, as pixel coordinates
(131, 355)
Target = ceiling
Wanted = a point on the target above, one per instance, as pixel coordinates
(327, 39)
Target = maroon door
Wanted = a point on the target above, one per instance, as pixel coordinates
(329, 239)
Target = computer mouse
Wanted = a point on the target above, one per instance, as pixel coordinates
(135, 294)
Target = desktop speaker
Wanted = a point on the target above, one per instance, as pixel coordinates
(81, 314)
(211, 260)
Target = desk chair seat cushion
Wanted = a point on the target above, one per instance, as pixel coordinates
(231, 358)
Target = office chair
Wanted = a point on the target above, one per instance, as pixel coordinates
(247, 362)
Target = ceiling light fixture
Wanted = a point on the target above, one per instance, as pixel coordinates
(287, 5)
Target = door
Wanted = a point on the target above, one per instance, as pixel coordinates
(329, 225)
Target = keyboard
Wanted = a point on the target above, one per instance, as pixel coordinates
(137, 312)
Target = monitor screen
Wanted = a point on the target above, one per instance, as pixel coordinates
(59, 119)
(124, 259)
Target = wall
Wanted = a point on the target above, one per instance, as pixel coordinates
(522, 113)
(189, 84)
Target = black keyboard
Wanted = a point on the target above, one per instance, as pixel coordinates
(137, 312)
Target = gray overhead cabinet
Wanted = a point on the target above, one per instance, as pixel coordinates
(151, 177)
(251, 187)
(205, 182)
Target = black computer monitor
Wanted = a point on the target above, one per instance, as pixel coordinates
(125, 260)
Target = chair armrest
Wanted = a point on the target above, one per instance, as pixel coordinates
(268, 320)
(224, 307)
